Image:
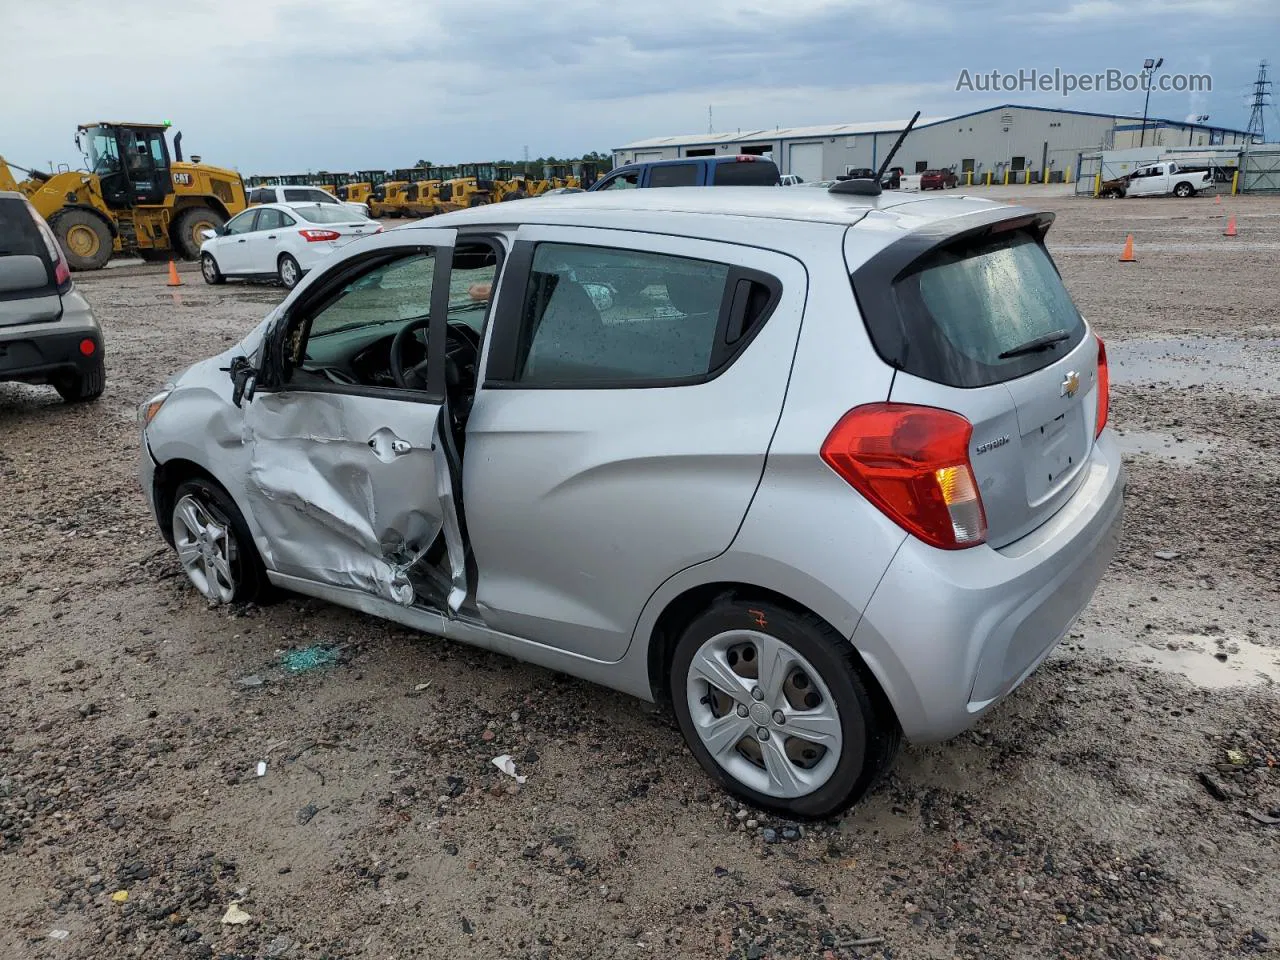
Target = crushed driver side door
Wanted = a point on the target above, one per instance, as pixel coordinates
(349, 480)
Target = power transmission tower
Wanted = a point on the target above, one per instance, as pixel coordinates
(1261, 91)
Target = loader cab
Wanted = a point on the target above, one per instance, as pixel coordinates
(131, 162)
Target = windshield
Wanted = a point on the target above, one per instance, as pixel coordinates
(329, 214)
(100, 149)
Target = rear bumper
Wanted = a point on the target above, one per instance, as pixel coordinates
(950, 633)
(36, 355)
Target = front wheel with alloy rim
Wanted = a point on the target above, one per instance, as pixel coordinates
(774, 705)
(1184, 190)
(209, 269)
(214, 545)
(289, 271)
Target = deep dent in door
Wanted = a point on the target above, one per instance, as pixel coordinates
(340, 530)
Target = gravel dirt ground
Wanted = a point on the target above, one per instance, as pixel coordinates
(1123, 803)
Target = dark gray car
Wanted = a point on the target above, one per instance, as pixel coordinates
(48, 333)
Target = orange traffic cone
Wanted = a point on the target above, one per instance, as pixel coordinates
(1127, 256)
(174, 279)
(1231, 227)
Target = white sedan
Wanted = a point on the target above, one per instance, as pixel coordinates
(279, 240)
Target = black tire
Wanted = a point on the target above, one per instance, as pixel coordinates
(869, 730)
(288, 271)
(477, 201)
(209, 269)
(184, 233)
(85, 238)
(1184, 190)
(252, 584)
(83, 386)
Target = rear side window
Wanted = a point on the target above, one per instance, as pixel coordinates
(674, 175)
(601, 316)
(745, 173)
(971, 315)
(297, 196)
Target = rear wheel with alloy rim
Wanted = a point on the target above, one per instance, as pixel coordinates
(774, 705)
(214, 545)
(289, 271)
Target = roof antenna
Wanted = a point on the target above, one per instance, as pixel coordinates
(871, 188)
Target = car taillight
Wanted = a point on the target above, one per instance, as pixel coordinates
(61, 270)
(315, 236)
(1104, 388)
(913, 464)
(747, 158)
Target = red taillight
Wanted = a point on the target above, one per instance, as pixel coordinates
(1104, 387)
(61, 272)
(315, 236)
(913, 464)
(88, 348)
(747, 158)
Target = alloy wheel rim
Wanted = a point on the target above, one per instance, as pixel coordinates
(207, 266)
(764, 713)
(288, 273)
(207, 549)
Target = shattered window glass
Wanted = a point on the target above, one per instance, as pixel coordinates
(392, 294)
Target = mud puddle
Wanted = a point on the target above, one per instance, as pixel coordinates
(1246, 365)
(1166, 446)
(1214, 663)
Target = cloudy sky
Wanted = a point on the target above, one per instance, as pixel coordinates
(286, 85)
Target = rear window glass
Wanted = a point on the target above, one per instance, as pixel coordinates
(18, 236)
(328, 213)
(970, 315)
(745, 173)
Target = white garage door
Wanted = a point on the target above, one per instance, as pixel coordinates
(643, 156)
(805, 160)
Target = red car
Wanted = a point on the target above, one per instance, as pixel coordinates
(938, 180)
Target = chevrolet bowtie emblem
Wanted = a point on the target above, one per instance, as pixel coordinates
(1070, 384)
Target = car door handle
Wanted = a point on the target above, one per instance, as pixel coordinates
(271, 237)
(386, 446)
(241, 241)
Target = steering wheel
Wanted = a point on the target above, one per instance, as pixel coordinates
(413, 377)
(462, 350)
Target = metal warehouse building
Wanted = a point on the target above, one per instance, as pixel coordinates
(1039, 143)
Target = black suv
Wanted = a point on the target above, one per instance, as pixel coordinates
(48, 333)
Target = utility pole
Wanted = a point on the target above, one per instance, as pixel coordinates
(1149, 68)
(1261, 91)
(711, 126)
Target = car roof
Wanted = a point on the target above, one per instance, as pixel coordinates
(11, 195)
(602, 208)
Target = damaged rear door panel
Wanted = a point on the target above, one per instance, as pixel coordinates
(346, 469)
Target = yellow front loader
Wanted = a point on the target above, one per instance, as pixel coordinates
(132, 199)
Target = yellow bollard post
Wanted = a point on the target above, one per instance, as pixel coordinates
(1006, 176)
(1066, 175)
(1097, 183)
(1235, 183)
(988, 178)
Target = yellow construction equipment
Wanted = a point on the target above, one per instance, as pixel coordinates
(393, 201)
(423, 198)
(132, 199)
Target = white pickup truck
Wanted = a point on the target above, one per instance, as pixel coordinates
(1164, 178)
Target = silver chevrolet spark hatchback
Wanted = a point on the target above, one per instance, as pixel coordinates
(819, 470)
